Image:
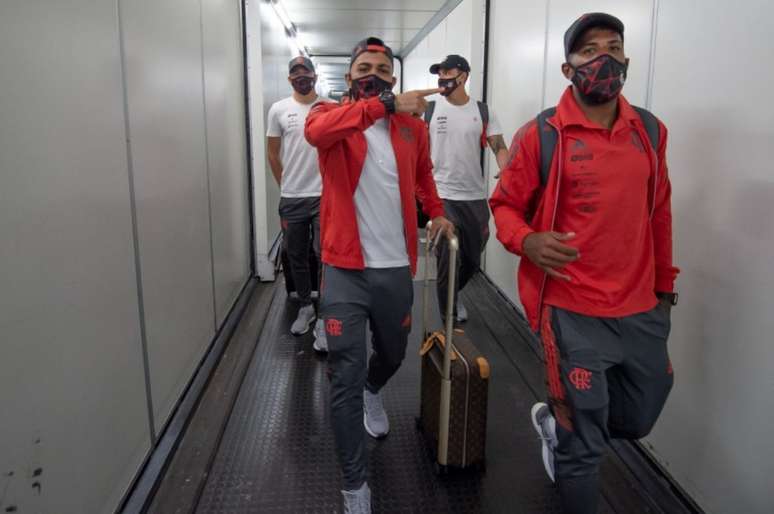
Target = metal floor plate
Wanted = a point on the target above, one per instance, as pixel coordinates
(277, 454)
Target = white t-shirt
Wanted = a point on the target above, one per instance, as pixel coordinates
(300, 169)
(377, 203)
(455, 141)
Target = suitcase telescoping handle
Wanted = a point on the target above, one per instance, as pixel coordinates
(443, 421)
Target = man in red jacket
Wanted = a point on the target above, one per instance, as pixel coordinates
(374, 162)
(594, 229)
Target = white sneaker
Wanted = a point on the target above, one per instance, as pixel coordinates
(545, 426)
(306, 317)
(320, 337)
(374, 417)
(358, 501)
(462, 313)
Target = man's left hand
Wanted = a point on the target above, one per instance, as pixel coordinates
(441, 224)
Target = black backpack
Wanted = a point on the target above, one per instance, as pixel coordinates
(483, 111)
(548, 137)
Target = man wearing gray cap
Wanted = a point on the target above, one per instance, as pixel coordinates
(294, 164)
(586, 202)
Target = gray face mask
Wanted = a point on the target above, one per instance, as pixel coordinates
(303, 85)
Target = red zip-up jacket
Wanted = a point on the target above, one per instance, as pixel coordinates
(337, 133)
(521, 206)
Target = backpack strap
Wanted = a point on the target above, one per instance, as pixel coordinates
(548, 138)
(429, 112)
(483, 111)
(651, 126)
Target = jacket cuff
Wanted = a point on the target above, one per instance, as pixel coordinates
(665, 284)
(437, 211)
(517, 241)
(375, 108)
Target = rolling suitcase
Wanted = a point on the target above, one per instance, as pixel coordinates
(455, 384)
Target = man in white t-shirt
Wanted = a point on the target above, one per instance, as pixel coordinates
(459, 128)
(294, 164)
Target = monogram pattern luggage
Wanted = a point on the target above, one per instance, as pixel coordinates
(455, 384)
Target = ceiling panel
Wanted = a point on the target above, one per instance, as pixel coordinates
(334, 26)
(367, 5)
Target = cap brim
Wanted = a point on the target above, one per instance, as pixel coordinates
(434, 68)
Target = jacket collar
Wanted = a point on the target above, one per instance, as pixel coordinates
(568, 112)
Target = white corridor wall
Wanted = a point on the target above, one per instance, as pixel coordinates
(125, 229)
(711, 87)
(461, 32)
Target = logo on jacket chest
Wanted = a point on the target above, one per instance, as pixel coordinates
(580, 152)
(406, 134)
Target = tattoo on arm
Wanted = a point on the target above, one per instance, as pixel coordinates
(497, 143)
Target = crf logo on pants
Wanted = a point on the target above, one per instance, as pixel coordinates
(581, 379)
(333, 327)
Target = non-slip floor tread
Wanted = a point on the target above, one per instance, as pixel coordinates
(277, 454)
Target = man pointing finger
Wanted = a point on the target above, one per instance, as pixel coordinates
(374, 161)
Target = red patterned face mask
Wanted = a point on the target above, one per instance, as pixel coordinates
(368, 86)
(600, 80)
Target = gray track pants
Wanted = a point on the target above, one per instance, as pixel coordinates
(471, 220)
(607, 378)
(300, 218)
(349, 299)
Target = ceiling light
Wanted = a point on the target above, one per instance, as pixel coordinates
(301, 41)
(283, 15)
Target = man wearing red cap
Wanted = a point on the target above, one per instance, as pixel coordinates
(585, 201)
(374, 160)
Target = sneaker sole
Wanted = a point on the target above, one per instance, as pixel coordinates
(546, 451)
(370, 432)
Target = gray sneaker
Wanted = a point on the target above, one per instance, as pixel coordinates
(306, 317)
(462, 313)
(358, 501)
(374, 418)
(545, 426)
(320, 338)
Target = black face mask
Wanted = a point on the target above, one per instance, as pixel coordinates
(449, 85)
(368, 86)
(303, 85)
(600, 80)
